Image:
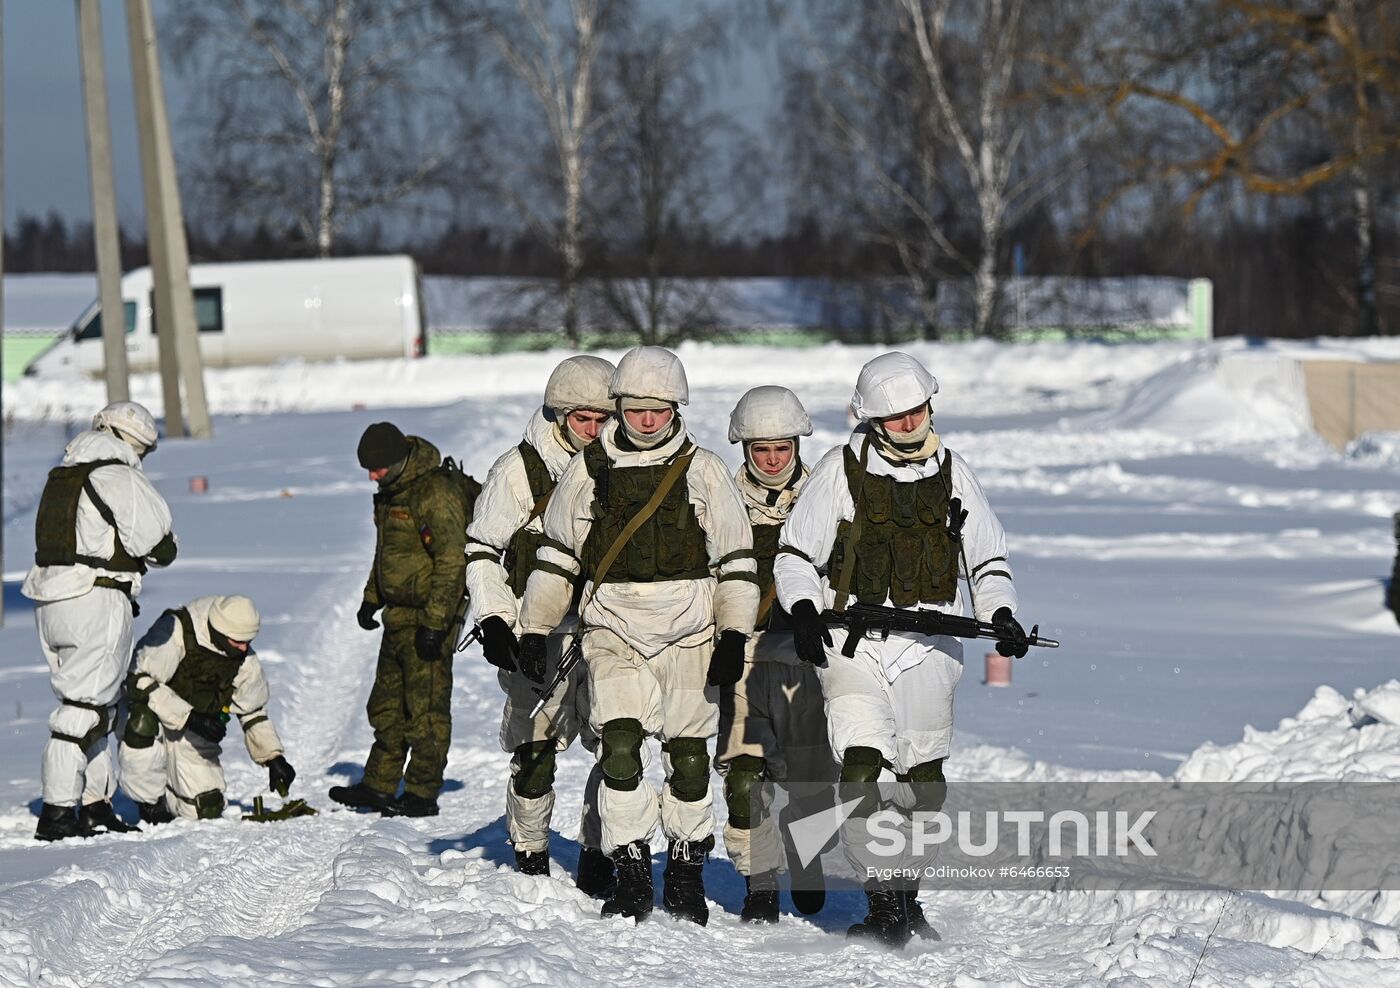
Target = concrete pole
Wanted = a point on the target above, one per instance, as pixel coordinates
(104, 200)
(155, 225)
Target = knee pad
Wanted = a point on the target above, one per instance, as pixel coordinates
(534, 769)
(742, 784)
(861, 765)
(142, 727)
(94, 734)
(209, 805)
(690, 768)
(622, 753)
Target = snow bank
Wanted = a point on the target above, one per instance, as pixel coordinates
(1331, 738)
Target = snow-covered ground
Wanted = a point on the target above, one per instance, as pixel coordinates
(1208, 562)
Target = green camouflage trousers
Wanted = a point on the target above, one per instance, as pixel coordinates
(410, 710)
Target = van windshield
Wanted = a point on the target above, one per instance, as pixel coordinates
(92, 329)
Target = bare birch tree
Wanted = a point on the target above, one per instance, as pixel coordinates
(666, 179)
(556, 59)
(313, 109)
(933, 99)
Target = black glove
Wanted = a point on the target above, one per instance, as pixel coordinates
(809, 633)
(534, 653)
(210, 727)
(1013, 643)
(164, 552)
(498, 643)
(427, 642)
(365, 616)
(280, 776)
(727, 661)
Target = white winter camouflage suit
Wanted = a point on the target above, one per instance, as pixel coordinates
(85, 630)
(648, 645)
(181, 765)
(895, 696)
(774, 713)
(503, 507)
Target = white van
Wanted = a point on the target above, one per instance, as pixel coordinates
(258, 312)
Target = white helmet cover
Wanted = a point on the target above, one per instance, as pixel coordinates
(650, 372)
(130, 420)
(768, 412)
(580, 382)
(893, 382)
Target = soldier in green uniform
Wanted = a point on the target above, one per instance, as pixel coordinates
(418, 580)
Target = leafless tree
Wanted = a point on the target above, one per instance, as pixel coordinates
(1271, 98)
(666, 178)
(312, 110)
(555, 56)
(932, 101)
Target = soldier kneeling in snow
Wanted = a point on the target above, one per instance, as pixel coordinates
(193, 669)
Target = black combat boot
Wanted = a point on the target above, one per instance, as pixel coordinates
(411, 804)
(532, 862)
(888, 921)
(761, 899)
(155, 813)
(362, 797)
(633, 895)
(919, 925)
(100, 818)
(596, 877)
(683, 881)
(59, 823)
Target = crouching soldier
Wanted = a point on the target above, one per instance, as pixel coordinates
(193, 671)
(502, 540)
(658, 533)
(418, 578)
(99, 526)
(772, 727)
(877, 522)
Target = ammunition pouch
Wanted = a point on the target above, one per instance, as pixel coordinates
(899, 537)
(209, 805)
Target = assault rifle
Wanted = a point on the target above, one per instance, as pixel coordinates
(876, 621)
(567, 661)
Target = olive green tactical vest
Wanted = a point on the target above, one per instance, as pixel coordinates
(56, 525)
(670, 545)
(204, 677)
(519, 557)
(904, 552)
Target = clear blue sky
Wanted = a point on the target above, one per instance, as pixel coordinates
(45, 154)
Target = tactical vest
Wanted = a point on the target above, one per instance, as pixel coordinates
(903, 550)
(56, 525)
(519, 557)
(204, 677)
(670, 545)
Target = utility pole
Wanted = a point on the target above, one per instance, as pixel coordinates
(180, 361)
(104, 201)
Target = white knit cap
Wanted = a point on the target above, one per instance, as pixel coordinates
(235, 617)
